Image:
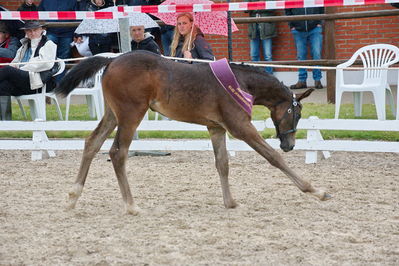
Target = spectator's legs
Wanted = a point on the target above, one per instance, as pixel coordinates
(63, 51)
(254, 46)
(316, 44)
(63, 45)
(267, 45)
(301, 51)
(53, 38)
(167, 38)
(14, 82)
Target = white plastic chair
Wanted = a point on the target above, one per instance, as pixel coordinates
(94, 95)
(374, 80)
(37, 101)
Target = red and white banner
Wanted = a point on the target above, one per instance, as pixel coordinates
(238, 6)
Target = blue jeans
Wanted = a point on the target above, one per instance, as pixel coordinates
(63, 45)
(167, 38)
(315, 39)
(266, 49)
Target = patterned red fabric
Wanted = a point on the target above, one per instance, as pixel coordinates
(5, 59)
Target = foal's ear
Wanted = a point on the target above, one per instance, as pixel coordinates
(301, 96)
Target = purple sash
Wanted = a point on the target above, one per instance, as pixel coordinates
(225, 76)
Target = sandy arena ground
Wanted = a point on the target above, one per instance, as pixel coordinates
(183, 221)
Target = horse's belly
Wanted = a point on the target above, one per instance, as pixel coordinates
(179, 112)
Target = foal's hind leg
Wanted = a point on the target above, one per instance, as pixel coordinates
(92, 146)
(249, 134)
(218, 138)
(127, 125)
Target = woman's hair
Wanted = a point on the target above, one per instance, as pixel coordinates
(177, 35)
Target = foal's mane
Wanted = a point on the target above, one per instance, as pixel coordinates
(272, 80)
(245, 67)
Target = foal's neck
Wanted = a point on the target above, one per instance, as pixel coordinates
(266, 89)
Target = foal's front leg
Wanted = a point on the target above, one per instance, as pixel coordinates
(92, 146)
(218, 138)
(253, 139)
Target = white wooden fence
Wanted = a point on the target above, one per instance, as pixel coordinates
(315, 142)
(42, 147)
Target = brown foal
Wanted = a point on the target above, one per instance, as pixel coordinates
(134, 82)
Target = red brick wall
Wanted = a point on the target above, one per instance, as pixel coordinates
(351, 34)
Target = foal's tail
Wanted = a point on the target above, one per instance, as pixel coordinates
(81, 72)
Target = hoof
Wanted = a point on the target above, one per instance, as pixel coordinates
(321, 194)
(326, 197)
(70, 206)
(231, 205)
(73, 198)
(132, 210)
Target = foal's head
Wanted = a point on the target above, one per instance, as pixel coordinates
(285, 116)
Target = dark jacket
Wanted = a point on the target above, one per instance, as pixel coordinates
(266, 29)
(304, 25)
(147, 44)
(143, 2)
(121, 2)
(25, 7)
(9, 48)
(201, 50)
(84, 5)
(59, 5)
(94, 7)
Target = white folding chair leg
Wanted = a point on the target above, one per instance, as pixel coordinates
(391, 99)
(397, 106)
(35, 111)
(57, 106)
(101, 103)
(337, 104)
(380, 98)
(21, 107)
(97, 108)
(90, 103)
(358, 103)
(68, 102)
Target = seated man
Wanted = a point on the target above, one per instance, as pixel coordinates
(143, 40)
(8, 44)
(28, 78)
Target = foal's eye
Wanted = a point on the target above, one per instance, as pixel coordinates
(289, 110)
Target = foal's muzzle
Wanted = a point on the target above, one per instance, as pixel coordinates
(287, 148)
(287, 142)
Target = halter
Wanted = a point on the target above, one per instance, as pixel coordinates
(289, 110)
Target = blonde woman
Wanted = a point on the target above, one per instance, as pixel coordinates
(188, 40)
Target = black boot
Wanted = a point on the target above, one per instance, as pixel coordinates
(299, 85)
(318, 85)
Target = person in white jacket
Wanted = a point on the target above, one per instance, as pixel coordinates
(40, 53)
